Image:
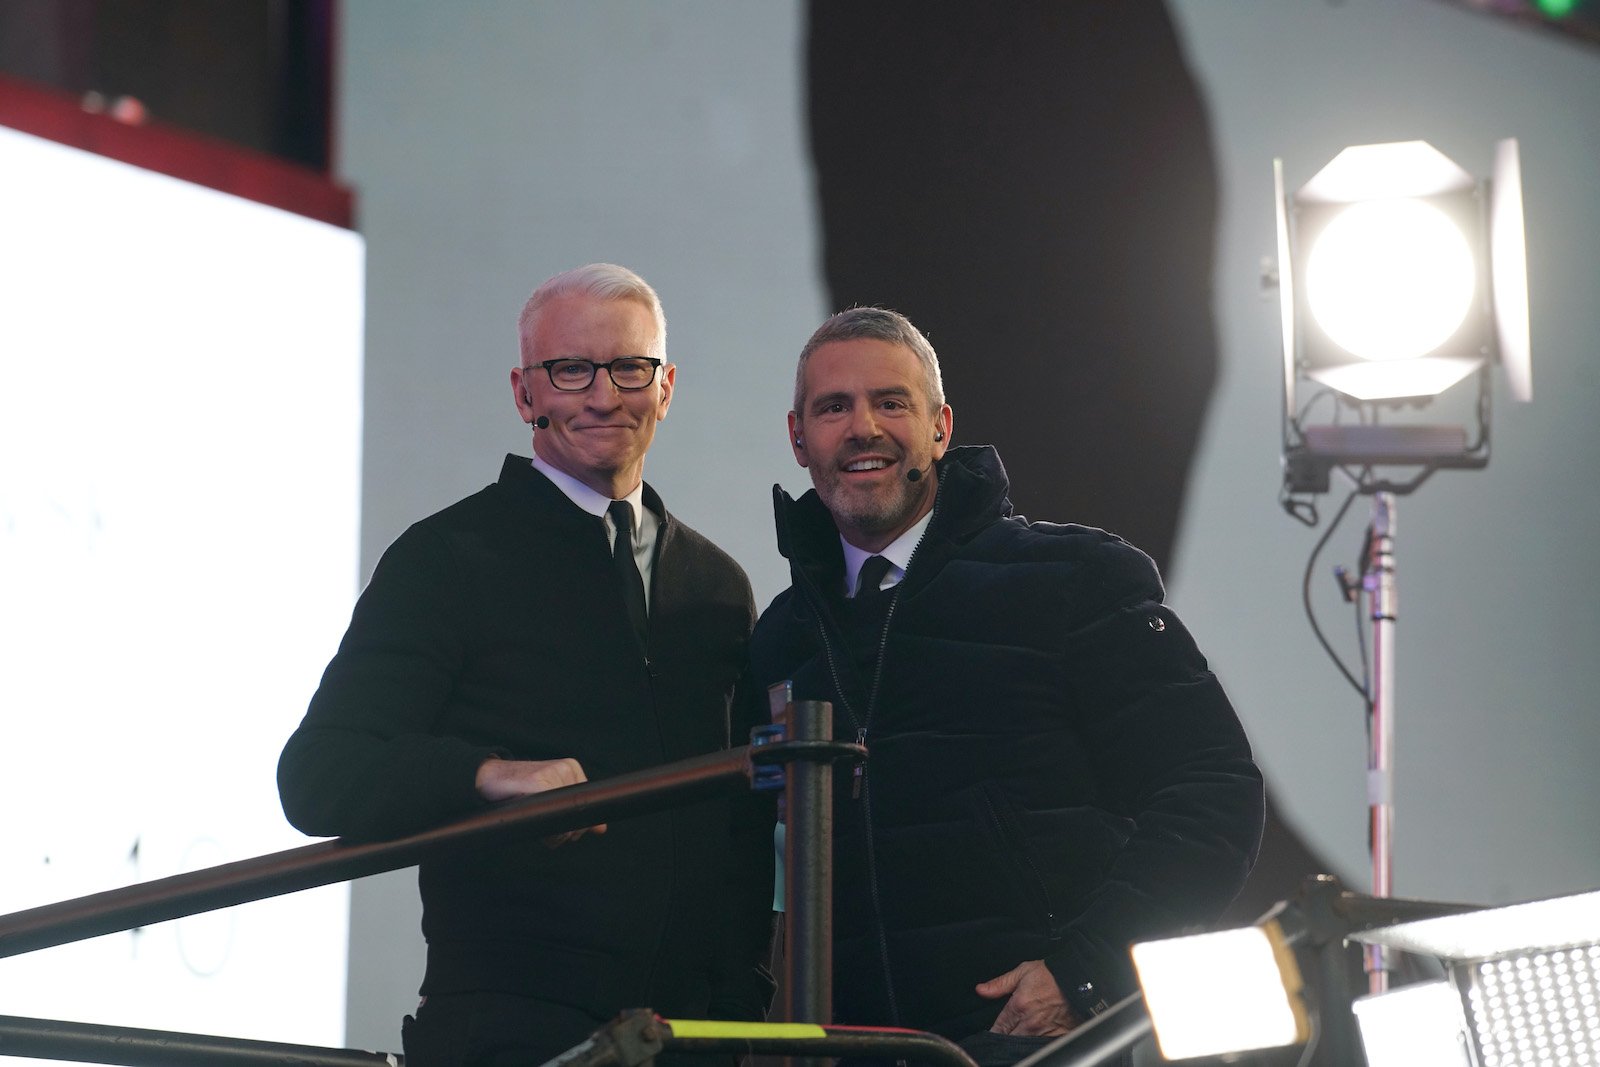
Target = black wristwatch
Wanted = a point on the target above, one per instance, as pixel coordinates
(1086, 1001)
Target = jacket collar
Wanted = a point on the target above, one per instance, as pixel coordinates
(973, 492)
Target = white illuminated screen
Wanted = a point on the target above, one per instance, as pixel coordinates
(180, 426)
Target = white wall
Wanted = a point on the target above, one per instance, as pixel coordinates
(493, 144)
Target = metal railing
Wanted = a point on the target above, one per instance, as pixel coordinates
(808, 919)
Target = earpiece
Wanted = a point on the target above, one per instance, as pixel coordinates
(798, 443)
(938, 435)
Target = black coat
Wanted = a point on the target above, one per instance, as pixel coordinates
(1053, 771)
(497, 627)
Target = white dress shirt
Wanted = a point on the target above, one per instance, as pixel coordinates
(645, 523)
(898, 552)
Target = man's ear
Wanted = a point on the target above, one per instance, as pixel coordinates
(944, 424)
(669, 380)
(520, 394)
(797, 440)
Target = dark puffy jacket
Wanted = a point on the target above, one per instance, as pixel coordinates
(1053, 772)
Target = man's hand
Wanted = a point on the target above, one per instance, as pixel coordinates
(1036, 1007)
(503, 779)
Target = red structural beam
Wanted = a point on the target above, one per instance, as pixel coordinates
(178, 153)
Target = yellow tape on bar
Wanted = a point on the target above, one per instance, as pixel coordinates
(743, 1031)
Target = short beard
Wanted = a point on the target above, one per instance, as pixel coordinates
(872, 515)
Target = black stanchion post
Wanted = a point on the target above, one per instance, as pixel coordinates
(808, 874)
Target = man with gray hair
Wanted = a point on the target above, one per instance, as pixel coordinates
(1053, 771)
(557, 626)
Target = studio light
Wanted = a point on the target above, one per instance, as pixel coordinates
(1402, 282)
(1415, 1025)
(1223, 992)
(1389, 281)
(1526, 978)
(1400, 276)
(1522, 988)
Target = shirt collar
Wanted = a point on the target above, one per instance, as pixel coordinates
(587, 499)
(898, 552)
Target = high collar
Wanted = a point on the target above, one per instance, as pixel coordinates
(973, 492)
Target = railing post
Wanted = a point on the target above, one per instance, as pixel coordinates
(808, 873)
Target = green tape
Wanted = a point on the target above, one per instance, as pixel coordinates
(744, 1031)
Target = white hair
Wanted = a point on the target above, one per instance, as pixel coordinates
(603, 281)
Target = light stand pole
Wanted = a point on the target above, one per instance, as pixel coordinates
(1399, 275)
(1378, 580)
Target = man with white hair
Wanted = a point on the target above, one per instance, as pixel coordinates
(557, 626)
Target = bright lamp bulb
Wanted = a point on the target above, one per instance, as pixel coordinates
(1390, 279)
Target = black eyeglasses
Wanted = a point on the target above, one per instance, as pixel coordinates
(575, 375)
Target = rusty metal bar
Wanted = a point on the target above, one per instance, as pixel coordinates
(880, 1043)
(338, 860)
(53, 1039)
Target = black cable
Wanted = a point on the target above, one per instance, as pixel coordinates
(1361, 632)
(1302, 511)
(1311, 402)
(1305, 598)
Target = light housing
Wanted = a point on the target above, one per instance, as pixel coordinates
(1415, 1024)
(1400, 277)
(1527, 977)
(1222, 992)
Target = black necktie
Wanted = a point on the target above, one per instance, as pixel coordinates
(621, 513)
(871, 577)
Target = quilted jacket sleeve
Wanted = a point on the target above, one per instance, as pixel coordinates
(1169, 754)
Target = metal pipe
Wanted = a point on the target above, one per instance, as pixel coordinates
(1381, 593)
(808, 874)
(53, 1039)
(637, 1036)
(1099, 1040)
(911, 1046)
(146, 903)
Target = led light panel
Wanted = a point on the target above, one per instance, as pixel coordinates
(1536, 1010)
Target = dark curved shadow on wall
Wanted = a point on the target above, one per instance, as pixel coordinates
(1033, 184)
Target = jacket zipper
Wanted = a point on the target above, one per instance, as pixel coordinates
(1011, 836)
(861, 785)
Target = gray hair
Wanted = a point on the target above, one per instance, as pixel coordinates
(603, 281)
(878, 324)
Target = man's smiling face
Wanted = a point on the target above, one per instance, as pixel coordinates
(867, 423)
(598, 435)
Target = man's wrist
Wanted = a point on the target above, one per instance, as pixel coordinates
(1085, 1000)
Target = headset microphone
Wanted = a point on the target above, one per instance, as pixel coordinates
(915, 475)
(542, 421)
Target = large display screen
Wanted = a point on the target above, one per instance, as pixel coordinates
(180, 429)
